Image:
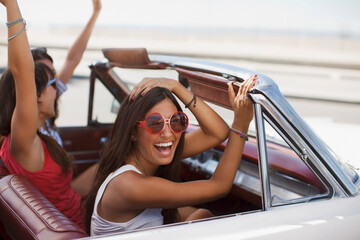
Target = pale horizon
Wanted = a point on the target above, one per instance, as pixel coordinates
(321, 17)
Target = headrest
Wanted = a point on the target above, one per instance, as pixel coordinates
(130, 58)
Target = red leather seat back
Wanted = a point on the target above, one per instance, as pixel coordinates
(3, 173)
(27, 214)
(3, 169)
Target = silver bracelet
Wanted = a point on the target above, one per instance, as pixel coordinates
(24, 28)
(241, 134)
(12, 23)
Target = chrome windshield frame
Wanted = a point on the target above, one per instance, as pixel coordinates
(263, 160)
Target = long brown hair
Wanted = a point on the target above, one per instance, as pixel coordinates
(40, 54)
(120, 146)
(8, 102)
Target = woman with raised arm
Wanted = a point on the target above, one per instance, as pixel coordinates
(136, 183)
(72, 60)
(27, 95)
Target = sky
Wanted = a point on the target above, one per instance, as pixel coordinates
(335, 17)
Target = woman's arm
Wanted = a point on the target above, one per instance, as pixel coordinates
(140, 192)
(25, 117)
(213, 130)
(78, 48)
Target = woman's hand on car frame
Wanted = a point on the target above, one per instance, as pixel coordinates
(240, 102)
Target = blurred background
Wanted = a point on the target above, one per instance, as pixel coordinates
(310, 48)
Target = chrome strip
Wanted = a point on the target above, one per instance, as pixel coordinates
(276, 202)
(262, 156)
(214, 67)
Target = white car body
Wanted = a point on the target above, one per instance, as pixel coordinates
(331, 219)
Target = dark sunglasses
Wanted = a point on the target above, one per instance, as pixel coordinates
(39, 49)
(53, 83)
(155, 123)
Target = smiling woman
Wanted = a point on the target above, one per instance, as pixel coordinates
(27, 98)
(136, 184)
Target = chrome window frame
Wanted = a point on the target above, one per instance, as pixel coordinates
(263, 109)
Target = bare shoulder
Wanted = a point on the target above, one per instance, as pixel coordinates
(118, 197)
(125, 181)
(123, 187)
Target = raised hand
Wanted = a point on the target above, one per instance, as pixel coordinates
(97, 5)
(148, 83)
(242, 107)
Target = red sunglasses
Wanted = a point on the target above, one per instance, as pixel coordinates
(155, 123)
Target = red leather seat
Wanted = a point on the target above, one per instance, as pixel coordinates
(3, 170)
(27, 214)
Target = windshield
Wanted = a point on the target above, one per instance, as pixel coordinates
(320, 127)
(346, 166)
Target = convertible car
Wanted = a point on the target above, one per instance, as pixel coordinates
(289, 184)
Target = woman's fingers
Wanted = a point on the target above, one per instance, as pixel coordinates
(241, 98)
(251, 83)
(247, 86)
(146, 88)
(148, 83)
(231, 91)
(97, 5)
(140, 87)
(241, 104)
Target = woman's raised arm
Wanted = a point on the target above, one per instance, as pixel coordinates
(140, 191)
(25, 117)
(79, 46)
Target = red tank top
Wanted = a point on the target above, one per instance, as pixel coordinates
(50, 181)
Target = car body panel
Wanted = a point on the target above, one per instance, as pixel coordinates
(329, 219)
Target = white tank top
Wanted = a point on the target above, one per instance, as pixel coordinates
(150, 217)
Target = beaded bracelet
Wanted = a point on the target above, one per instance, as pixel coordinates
(9, 24)
(241, 134)
(192, 100)
(12, 23)
(24, 28)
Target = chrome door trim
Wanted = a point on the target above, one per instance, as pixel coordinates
(262, 158)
